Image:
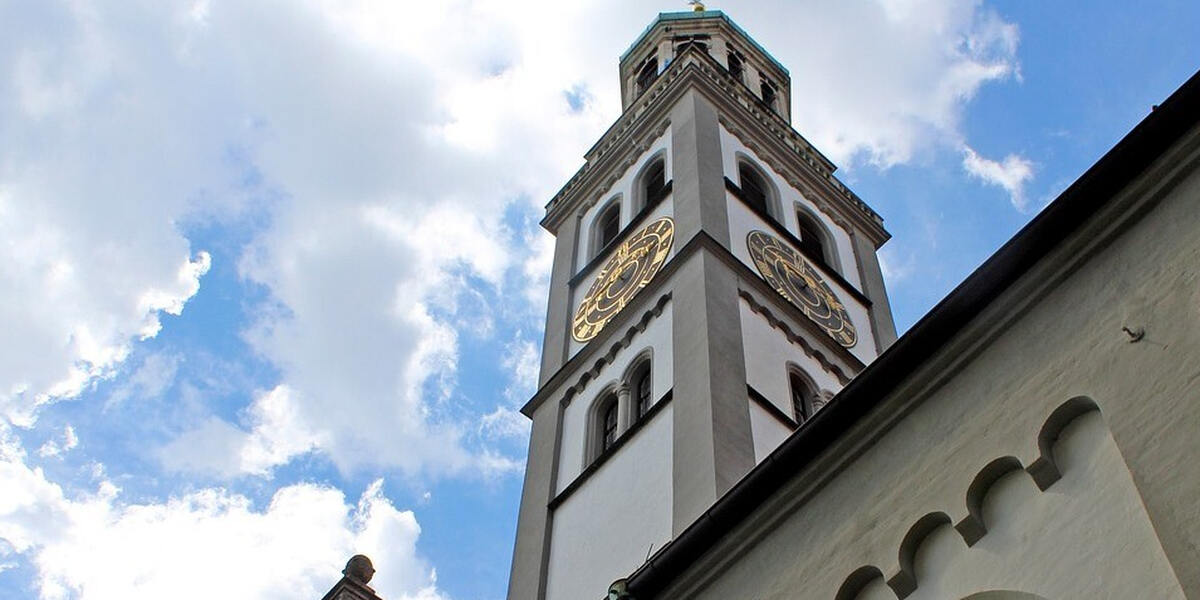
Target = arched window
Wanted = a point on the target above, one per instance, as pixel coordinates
(647, 74)
(770, 91)
(812, 240)
(641, 389)
(603, 424)
(736, 62)
(802, 396)
(606, 226)
(608, 427)
(653, 183)
(754, 188)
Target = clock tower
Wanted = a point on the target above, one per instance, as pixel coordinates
(714, 285)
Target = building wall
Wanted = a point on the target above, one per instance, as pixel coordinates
(742, 221)
(1121, 522)
(622, 188)
(657, 339)
(605, 529)
(789, 200)
(580, 290)
(768, 353)
(767, 430)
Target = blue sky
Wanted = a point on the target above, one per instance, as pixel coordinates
(272, 277)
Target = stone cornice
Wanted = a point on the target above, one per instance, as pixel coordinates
(763, 131)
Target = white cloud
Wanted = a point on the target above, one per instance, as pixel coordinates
(54, 448)
(504, 422)
(382, 166)
(149, 381)
(883, 82)
(1012, 173)
(276, 435)
(522, 360)
(88, 203)
(896, 269)
(205, 543)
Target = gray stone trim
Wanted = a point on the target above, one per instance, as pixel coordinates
(712, 445)
(558, 310)
(883, 327)
(531, 551)
(736, 106)
(699, 182)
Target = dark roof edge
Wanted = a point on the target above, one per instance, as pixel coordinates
(1114, 171)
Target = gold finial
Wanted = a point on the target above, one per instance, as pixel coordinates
(697, 5)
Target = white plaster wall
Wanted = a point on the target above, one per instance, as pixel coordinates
(742, 220)
(664, 209)
(624, 188)
(767, 354)
(1098, 543)
(604, 530)
(1091, 524)
(789, 199)
(766, 431)
(657, 337)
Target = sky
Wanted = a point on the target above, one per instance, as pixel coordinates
(272, 284)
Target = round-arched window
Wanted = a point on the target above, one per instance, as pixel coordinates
(803, 395)
(812, 240)
(606, 226)
(754, 189)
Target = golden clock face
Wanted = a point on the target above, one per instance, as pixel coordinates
(633, 264)
(798, 281)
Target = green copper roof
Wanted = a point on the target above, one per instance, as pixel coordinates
(702, 14)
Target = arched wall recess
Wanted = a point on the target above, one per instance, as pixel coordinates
(856, 581)
(972, 527)
(904, 582)
(1045, 470)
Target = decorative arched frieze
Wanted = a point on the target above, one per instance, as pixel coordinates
(628, 159)
(856, 581)
(904, 582)
(1045, 470)
(972, 527)
(618, 344)
(793, 337)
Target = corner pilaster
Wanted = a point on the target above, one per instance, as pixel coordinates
(871, 275)
(555, 342)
